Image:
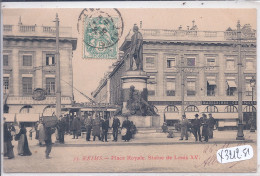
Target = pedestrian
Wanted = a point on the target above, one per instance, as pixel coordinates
(23, 146)
(212, 123)
(205, 127)
(36, 130)
(48, 142)
(196, 123)
(115, 126)
(12, 129)
(105, 127)
(8, 147)
(76, 126)
(61, 126)
(164, 127)
(88, 124)
(41, 130)
(184, 127)
(133, 129)
(126, 133)
(96, 128)
(31, 132)
(170, 134)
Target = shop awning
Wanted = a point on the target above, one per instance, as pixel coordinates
(225, 115)
(86, 109)
(227, 123)
(191, 115)
(9, 117)
(212, 82)
(172, 116)
(111, 110)
(27, 117)
(231, 83)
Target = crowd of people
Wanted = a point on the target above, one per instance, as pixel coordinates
(43, 134)
(94, 125)
(99, 128)
(201, 128)
(10, 134)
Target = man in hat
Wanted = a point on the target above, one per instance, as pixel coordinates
(196, 123)
(164, 128)
(212, 123)
(88, 124)
(184, 127)
(115, 126)
(205, 127)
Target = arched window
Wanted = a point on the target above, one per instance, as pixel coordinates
(249, 109)
(191, 108)
(49, 110)
(230, 108)
(26, 109)
(171, 108)
(211, 108)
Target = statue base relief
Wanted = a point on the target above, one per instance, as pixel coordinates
(136, 78)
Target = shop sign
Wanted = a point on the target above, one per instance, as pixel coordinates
(227, 102)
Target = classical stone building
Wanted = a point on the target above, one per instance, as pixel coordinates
(29, 64)
(209, 61)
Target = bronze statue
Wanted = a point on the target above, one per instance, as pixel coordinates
(136, 49)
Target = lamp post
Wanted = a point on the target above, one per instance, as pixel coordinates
(240, 133)
(182, 85)
(57, 79)
(252, 84)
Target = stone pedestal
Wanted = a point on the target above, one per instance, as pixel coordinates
(136, 78)
(140, 121)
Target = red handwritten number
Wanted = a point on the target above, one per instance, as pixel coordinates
(76, 159)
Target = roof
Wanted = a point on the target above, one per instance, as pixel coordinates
(188, 36)
(73, 41)
(34, 32)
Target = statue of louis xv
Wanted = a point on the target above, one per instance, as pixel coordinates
(136, 49)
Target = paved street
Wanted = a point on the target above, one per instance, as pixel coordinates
(146, 153)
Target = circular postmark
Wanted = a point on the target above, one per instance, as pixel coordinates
(102, 29)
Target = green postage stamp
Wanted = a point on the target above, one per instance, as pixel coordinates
(100, 37)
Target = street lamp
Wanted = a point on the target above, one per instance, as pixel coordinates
(240, 133)
(252, 84)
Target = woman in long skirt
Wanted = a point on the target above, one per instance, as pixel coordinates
(41, 130)
(96, 128)
(23, 147)
(126, 136)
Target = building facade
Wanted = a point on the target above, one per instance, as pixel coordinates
(208, 61)
(29, 64)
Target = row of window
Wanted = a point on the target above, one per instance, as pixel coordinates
(27, 85)
(191, 62)
(210, 109)
(28, 59)
(231, 87)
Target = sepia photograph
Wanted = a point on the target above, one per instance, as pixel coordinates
(129, 90)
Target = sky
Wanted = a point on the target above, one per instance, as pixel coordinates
(88, 72)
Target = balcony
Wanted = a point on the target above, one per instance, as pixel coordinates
(33, 30)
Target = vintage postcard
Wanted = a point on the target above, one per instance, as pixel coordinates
(123, 90)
